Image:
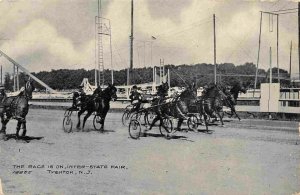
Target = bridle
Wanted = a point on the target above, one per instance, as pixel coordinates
(27, 86)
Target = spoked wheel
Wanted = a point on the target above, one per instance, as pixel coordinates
(97, 122)
(134, 129)
(136, 115)
(67, 121)
(168, 127)
(67, 124)
(193, 122)
(126, 118)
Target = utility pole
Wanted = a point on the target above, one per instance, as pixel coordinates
(278, 78)
(163, 68)
(14, 88)
(18, 82)
(169, 79)
(1, 76)
(144, 54)
(270, 65)
(270, 82)
(291, 60)
(111, 55)
(131, 45)
(215, 63)
(257, 62)
(151, 53)
(299, 36)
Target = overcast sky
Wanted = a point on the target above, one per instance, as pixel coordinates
(55, 34)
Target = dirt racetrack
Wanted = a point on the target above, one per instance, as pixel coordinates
(246, 157)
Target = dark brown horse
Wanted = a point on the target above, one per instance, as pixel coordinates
(213, 101)
(176, 107)
(98, 103)
(231, 96)
(16, 107)
(217, 96)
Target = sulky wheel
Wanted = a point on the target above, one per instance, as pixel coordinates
(97, 122)
(67, 124)
(166, 127)
(126, 118)
(193, 122)
(134, 129)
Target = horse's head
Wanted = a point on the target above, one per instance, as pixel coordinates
(29, 87)
(236, 89)
(190, 92)
(211, 90)
(243, 89)
(112, 92)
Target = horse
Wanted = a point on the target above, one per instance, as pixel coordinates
(176, 107)
(236, 89)
(99, 103)
(231, 97)
(162, 92)
(213, 101)
(180, 104)
(217, 96)
(16, 107)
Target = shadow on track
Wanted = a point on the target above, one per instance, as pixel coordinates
(179, 137)
(91, 130)
(26, 139)
(206, 131)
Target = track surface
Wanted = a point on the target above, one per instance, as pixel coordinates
(246, 157)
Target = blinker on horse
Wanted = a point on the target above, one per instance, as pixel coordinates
(16, 107)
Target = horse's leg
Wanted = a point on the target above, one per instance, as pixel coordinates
(180, 121)
(234, 111)
(4, 123)
(205, 121)
(221, 118)
(18, 127)
(157, 117)
(86, 117)
(3, 128)
(79, 114)
(103, 116)
(24, 128)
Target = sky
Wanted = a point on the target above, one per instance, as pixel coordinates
(54, 34)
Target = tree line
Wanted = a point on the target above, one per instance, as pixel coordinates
(180, 75)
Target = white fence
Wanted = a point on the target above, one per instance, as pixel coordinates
(270, 98)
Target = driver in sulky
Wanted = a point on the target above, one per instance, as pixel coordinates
(78, 97)
(135, 98)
